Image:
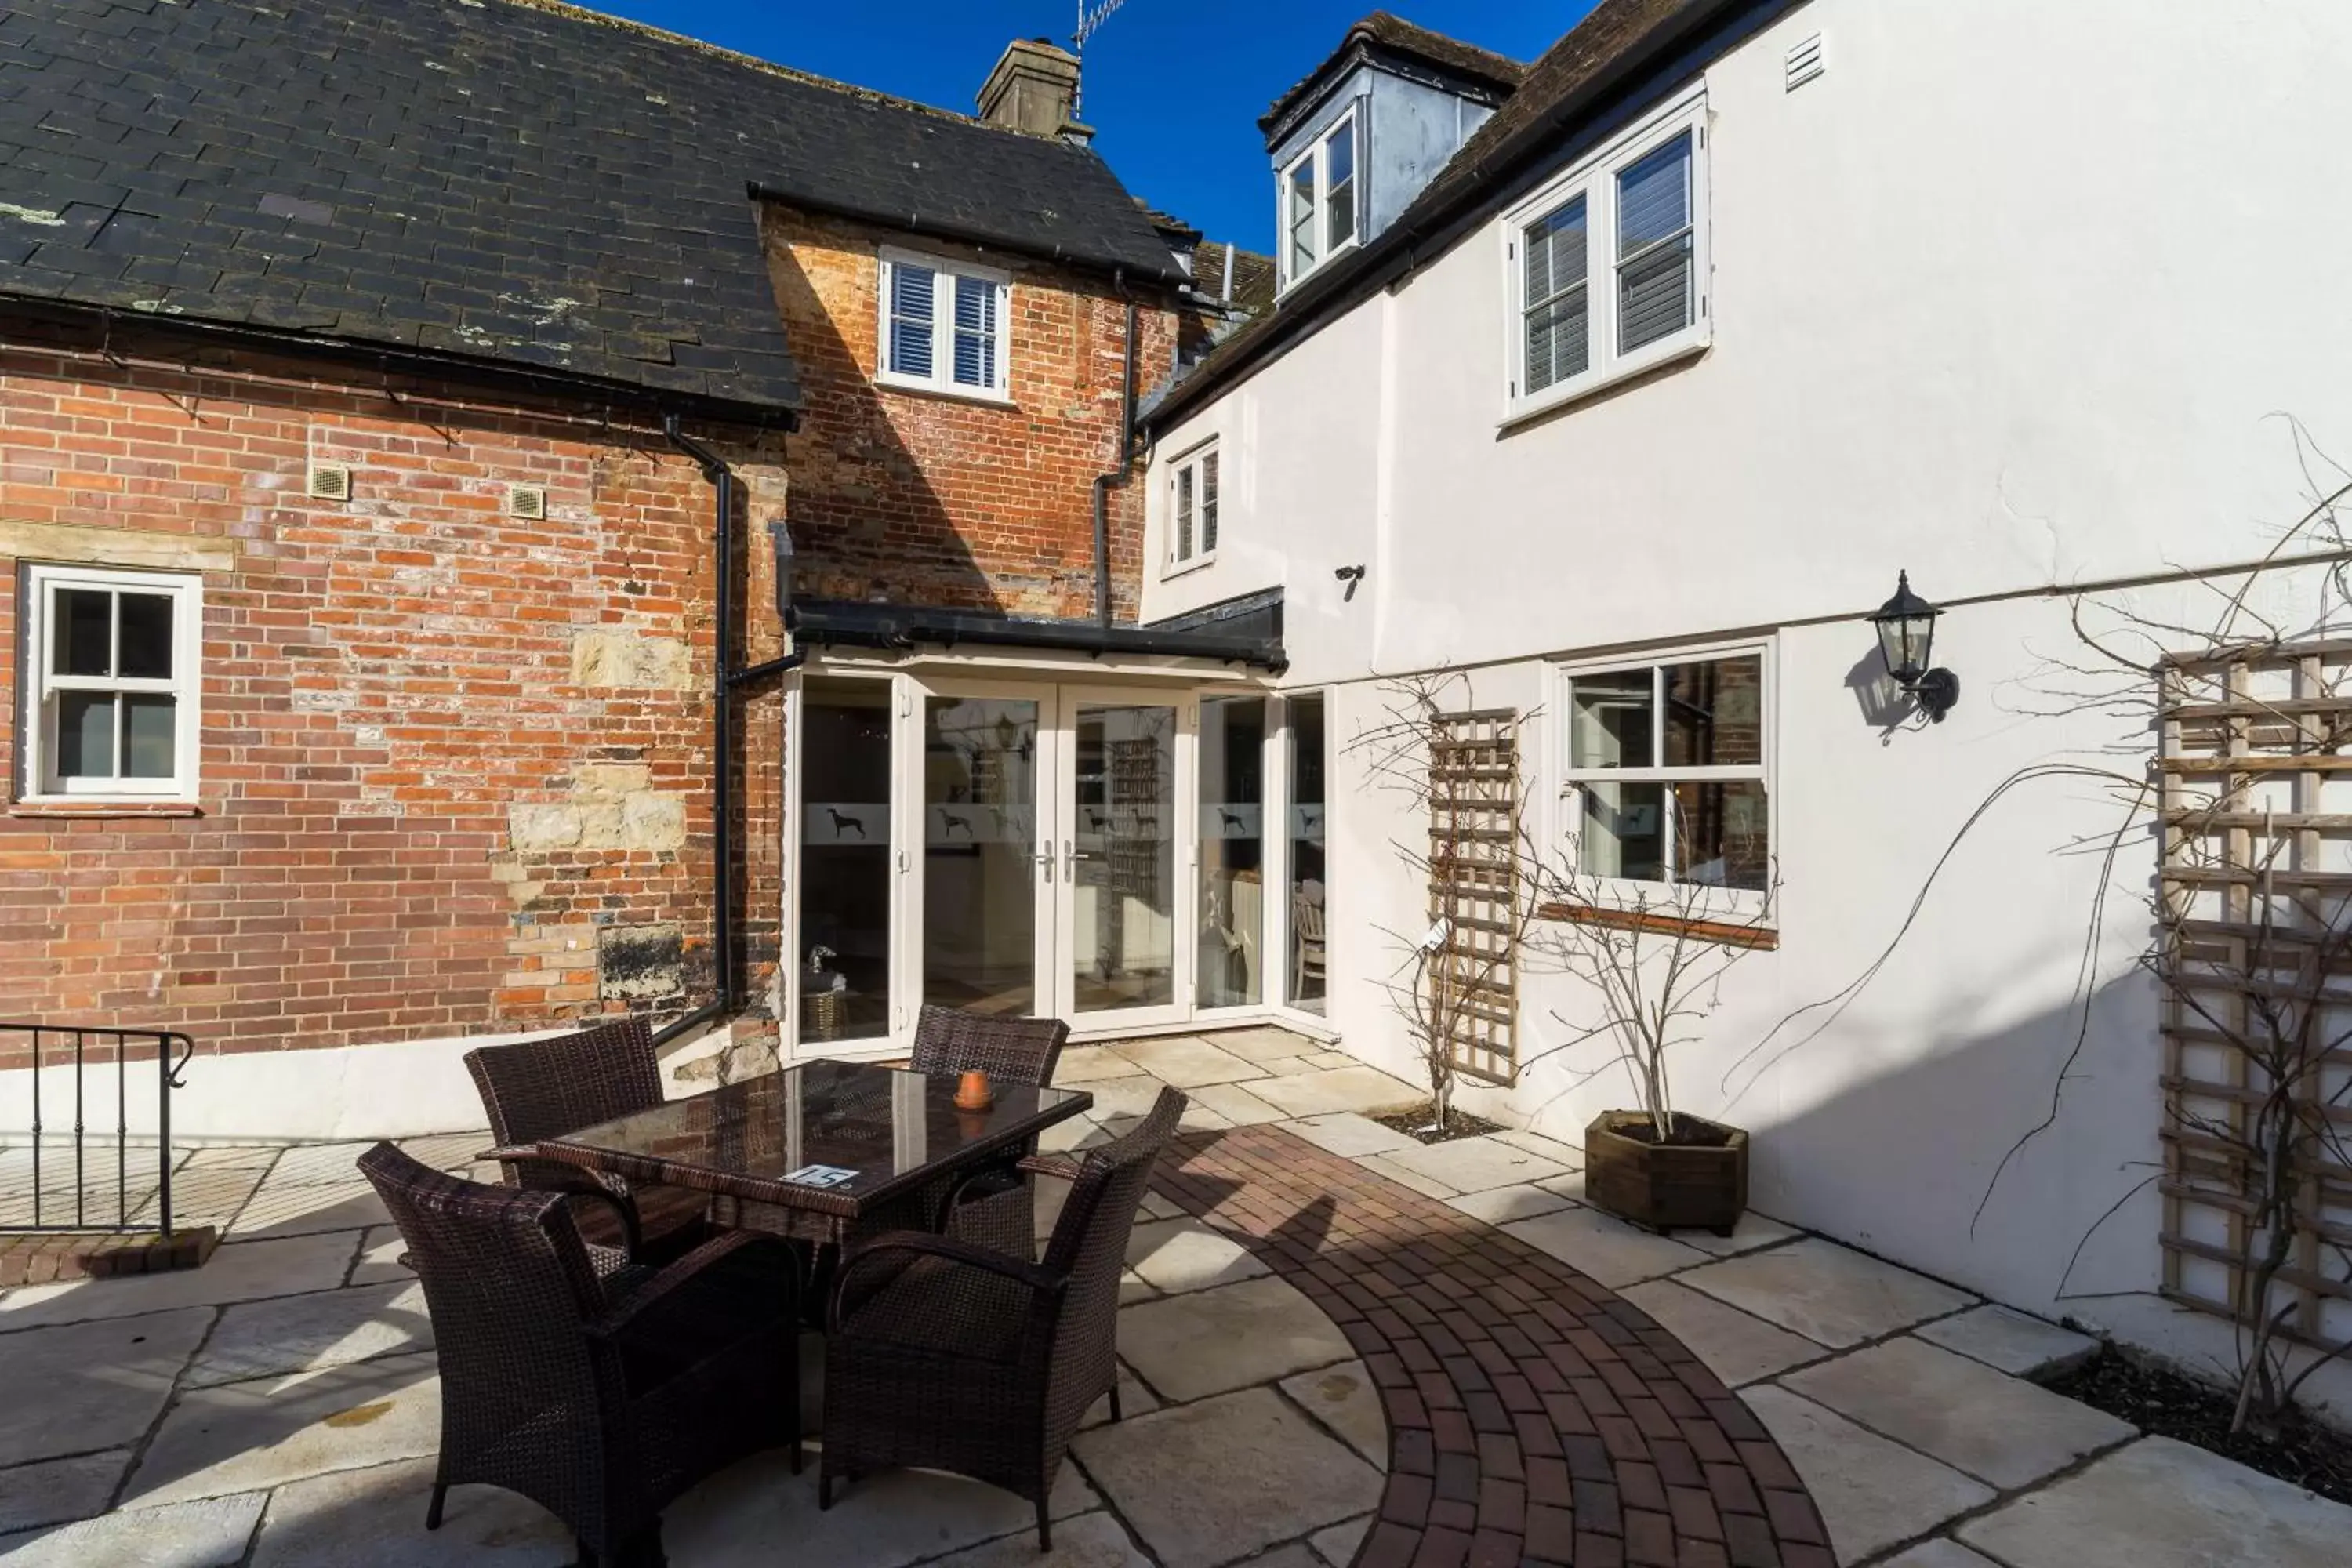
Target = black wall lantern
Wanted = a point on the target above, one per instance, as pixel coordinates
(1906, 637)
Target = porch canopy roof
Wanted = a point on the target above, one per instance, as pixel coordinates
(1246, 631)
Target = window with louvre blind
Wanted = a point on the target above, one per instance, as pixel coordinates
(943, 326)
(1192, 509)
(1607, 266)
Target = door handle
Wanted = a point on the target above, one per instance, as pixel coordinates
(1045, 859)
(1072, 854)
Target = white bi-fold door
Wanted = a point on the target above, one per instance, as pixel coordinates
(1102, 854)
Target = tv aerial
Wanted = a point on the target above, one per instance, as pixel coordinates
(1090, 21)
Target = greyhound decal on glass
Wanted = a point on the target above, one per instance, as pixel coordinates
(842, 824)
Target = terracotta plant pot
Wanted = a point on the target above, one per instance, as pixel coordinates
(972, 1092)
(1700, 1183)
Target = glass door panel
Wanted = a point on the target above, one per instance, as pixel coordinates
(1119, 857)
(843, 743)
(1231, 752)
(1309, 893)
(981, 763)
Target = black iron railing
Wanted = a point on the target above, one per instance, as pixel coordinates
(87, 1073)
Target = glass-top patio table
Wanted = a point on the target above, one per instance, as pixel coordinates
(811, 1151)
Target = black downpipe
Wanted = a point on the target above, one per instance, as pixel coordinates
(724, 680)
(1117, 476)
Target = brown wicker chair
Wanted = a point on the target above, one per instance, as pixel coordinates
(543, 1088)
(952, 1356)
(602, 1398)
(994, 1207)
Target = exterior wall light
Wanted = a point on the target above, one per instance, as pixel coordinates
(1907, 635)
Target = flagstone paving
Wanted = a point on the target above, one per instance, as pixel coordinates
(1322, 1366)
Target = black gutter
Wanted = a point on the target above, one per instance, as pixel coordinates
(965, 234)
(112, 328)
(724, 681)
(1417, 237)
(903, 628)
(1115, 477)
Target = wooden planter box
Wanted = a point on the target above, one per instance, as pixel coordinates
(1666, 1187)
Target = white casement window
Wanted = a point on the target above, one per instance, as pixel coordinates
(1317, 194)
(1192, 509)
(111, 683)
(1608, 266)
(1666, 775)
(946, 326)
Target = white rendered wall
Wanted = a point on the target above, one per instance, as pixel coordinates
(2016, 296)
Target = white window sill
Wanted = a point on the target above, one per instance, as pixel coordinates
(1518, 411)
(953, 394)
(1186, 568)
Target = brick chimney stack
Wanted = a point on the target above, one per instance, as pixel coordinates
(1035, 88)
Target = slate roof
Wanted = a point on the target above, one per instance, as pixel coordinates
(507, 180)
(1395, 36)
(1254, 280)
(1613, 51)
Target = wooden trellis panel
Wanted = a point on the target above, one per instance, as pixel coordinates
(2254, 779)
(1473, 886)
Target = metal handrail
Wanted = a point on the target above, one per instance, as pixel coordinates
(171, 1050)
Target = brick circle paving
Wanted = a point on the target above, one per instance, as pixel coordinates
(1533, 1414)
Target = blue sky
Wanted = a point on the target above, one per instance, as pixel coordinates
(1175, 87)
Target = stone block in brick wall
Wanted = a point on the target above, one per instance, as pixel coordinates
(655, 821)
(637, 962)
(611, 809)
(535, 827)
(610, 780)
(608, 657)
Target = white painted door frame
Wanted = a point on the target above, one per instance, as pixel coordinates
(1058, 702)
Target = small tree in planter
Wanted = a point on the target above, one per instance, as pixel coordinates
(1653, 956)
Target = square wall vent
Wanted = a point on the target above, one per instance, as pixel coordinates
(331, 481)
(527, 500)
(1805, 60)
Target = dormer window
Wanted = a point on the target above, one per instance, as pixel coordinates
(1320, 216)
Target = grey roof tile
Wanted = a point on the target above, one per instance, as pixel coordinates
(477, 162)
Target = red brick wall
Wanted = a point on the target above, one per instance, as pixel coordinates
(929, 499)
(424, 806)
(424, 796)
